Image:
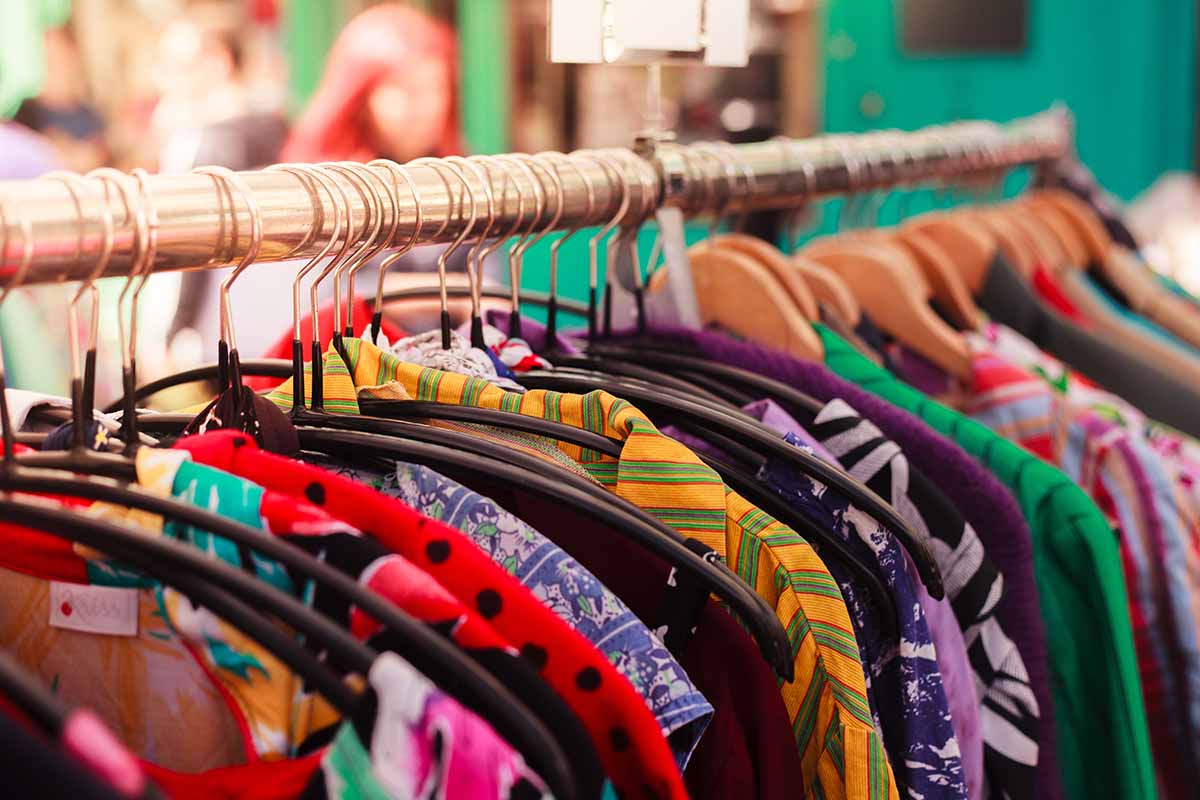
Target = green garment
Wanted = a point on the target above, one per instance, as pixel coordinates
(22, 54)
(348, 771)
(1103, 741)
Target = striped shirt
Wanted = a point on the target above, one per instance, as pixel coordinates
(1129, 483)
(841, 753)
(1103, 742)
(1009, 713)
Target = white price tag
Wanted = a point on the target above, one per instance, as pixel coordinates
(94, 609)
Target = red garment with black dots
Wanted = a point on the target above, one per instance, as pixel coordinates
(627, 737)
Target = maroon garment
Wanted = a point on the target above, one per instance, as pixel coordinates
(748, 750)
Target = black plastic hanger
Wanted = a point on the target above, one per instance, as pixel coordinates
(750, 459)
(424, 648)
(799, 405)
(651, 353)
(750, 432)
(749, 487)
(213, 584)
(25, 691)
(566, 487)
(475, 456)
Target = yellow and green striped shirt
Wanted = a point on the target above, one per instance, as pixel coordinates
(841, 753)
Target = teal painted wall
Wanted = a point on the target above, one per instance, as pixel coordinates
(1127, 70)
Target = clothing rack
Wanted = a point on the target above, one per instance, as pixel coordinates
(199, 221)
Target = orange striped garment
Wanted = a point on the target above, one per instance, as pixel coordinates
(842, 756)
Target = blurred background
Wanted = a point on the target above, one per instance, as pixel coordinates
(131, 82)
(170, 84)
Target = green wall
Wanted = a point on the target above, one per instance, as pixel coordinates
(1127, 70)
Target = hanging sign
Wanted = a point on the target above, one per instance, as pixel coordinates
(712, 32)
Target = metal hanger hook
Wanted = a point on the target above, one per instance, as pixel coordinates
(75, 186)
(379, 245)
(419, 223)
(305, 172)
(374, 221)
(346, 215)
(228, 180)
(27, 251)
(147, 204)
(438, 165)
(522, 233)
(590, 194)
(474, 279)
(551, 224)
(606, 163)
(138, 251)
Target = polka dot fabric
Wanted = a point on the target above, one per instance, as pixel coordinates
(625, 733)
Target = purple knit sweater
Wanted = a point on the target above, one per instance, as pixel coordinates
(980, 497)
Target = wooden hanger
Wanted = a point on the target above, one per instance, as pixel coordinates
(1083, 220)
(1013, 242)
(891, 288)
(970, 247)
(777, 264)
(1048, 251)
(1121, 269)
(829, 288)
(1041, 213)
(735, 292)
(949, 290)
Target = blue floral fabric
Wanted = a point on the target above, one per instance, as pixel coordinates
(903, 678)
(564, 586)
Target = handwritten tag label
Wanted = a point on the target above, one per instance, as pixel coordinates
(94, 609)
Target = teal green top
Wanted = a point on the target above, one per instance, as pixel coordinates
(1103, 741)
(1135, 319)
(1172, 286)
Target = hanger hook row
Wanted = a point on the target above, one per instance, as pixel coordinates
(438, 165)
(379, 243)
(356, 174)
(304, 172)
(418, 224)
(231, 181)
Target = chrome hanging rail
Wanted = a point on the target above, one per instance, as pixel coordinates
(200, 226)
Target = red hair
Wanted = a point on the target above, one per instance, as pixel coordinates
(371, 47)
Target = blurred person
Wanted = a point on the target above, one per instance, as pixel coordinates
(390, 90)
(207, 114)
(62, 111)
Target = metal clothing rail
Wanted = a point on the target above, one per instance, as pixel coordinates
(199, 221)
